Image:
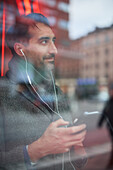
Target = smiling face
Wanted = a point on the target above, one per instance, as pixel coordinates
(41, 50)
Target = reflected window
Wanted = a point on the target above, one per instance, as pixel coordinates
(97, 53)
(106, 51)
(63, 6)
(63, 24)
(107, 39)
(106, 64)
(97, 41)
(65, 43)
(52, 20)
(49, 2)
(106, 75)
(96, 65)
(87, 67)
(85, 43)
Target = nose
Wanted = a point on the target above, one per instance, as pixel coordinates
(52, 48)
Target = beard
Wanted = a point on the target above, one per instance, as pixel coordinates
(50, 66)
(49, 62)
(44, 67)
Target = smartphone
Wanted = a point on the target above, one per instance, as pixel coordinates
(76, 122)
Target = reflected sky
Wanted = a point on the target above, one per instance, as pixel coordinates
(85, 15)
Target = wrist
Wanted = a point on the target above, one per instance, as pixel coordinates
(36, 150)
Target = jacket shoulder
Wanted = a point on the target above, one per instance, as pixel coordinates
(6, 87)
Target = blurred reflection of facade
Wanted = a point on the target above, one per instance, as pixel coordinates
(57, 12)
(97, 50)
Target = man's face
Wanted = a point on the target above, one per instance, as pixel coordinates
(41, 50)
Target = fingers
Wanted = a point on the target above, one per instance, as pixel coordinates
(60, 122)
(78, 137)
(75, 140)
(75, 129)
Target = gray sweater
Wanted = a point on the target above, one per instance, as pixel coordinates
(23, 119)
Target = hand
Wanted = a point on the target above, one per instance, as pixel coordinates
(56, 139)
(80, 150)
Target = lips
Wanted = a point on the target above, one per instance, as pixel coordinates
(50, 59)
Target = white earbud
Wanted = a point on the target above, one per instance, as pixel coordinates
(22, 52)
(26, 67)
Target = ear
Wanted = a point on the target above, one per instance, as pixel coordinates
(17, 47)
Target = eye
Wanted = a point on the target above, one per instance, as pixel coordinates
(44, 41)
(54, 40)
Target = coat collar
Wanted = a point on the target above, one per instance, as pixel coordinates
(32, 97)
(17, 74)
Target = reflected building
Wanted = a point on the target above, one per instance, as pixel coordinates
(97, 55)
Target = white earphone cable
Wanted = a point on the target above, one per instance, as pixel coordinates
(29, 80)
(37, 92)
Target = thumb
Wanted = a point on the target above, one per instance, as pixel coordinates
(60, 122)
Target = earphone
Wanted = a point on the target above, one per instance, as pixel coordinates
(26, 73)
(29, 80)
(22, 52)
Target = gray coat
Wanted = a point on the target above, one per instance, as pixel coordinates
(24, 118)
(23, 121)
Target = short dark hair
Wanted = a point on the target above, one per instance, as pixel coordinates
(19, 31)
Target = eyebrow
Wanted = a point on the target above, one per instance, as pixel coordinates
(46, 38)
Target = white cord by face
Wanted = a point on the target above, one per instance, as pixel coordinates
(29, 80)
(57, 113)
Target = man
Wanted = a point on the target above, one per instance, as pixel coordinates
(34, 113)
(107, 116)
